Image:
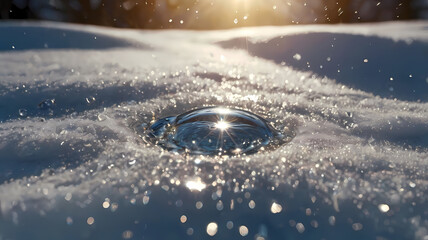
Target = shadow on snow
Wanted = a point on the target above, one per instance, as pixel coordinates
(33, 156)
(13, 38)
(70, 99)
(387, 68)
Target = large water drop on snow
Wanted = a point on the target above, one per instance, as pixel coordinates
(214, 131)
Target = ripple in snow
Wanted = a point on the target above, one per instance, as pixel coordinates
(214, 131)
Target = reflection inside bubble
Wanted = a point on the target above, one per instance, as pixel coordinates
(222, 125)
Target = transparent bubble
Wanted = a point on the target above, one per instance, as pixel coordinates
(214, 131)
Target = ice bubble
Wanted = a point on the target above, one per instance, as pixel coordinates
(214, 131)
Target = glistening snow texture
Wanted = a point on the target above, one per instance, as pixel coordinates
(78, 169)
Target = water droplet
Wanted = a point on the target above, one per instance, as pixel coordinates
(214, 131)
(235, 21)
(103, 117)
(22, 112)
(46, 104)
(90, 99)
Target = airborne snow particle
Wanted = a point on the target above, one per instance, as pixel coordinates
(297, 57)
(212, 228)
(300, 227)
(357, 226)
(127, 234)
(90, 220)
(383, 208)
(189, 231)
(252, 204)
(69, 221)
(243, 230)
(229, 225)
(275, 208)
(199, 205)
(332, 220)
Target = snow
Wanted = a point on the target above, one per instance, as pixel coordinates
(355, 168)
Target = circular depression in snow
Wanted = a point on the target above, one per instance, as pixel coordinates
(214, 131)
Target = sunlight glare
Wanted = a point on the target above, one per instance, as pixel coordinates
(195, 185)
(222, 125)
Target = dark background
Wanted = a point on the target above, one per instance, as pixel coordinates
(212, 14)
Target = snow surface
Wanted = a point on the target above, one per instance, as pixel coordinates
(356, 167)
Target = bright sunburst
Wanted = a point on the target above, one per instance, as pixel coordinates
(195, 184)
(222, 125)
